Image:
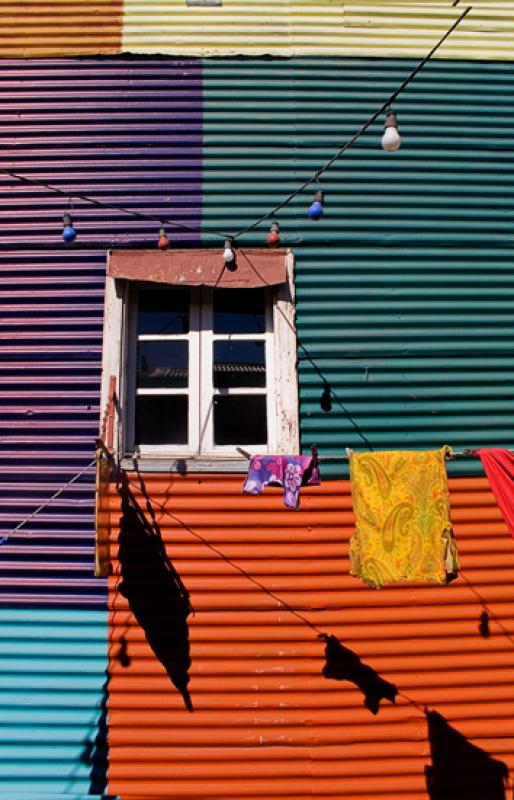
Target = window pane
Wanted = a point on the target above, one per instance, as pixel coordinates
(162, 365)
(240, 419)
(161, 419)
(163, 311)
(239, 364)
(239, 311)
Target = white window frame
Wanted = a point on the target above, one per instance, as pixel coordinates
(120, 339)
(208, 392)
(131, 391)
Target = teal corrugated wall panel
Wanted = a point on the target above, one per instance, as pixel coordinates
(52, 796)
(69, 796)
(405, 288)
(53, 692)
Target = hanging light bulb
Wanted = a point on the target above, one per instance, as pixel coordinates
(228, 253)
(273, 235)
(68, 232)
(391, 138)
(163, 242)
(315, 210)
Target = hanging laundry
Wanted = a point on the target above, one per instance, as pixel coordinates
(499, 468)
(402, 510)
(291, 472)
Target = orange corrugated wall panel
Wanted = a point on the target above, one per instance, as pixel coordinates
(263, 582)
(60, 28)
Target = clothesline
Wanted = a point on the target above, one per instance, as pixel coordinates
(466, 453)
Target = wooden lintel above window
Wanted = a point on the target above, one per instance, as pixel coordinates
(252, 268)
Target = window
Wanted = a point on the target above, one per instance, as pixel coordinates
(201, 370)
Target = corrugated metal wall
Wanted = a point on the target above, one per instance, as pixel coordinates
(411, 29)
(60, 27)
(404, 295)
(318, 27)
(125, 130)
(53, 695)
(51, 305)
(283, 27)
(128, 132)
(263, 583)
(405, 287)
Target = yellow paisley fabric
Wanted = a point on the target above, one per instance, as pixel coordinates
(402, 511)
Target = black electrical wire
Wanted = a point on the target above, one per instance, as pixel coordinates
(313, 179)
(392, 97)
(98, 203)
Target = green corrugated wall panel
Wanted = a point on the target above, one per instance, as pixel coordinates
(53, 692)
(405, 288)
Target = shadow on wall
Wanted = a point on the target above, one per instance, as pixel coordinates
(94, 754)
(156, 595)
(460, 770)
(342, 664)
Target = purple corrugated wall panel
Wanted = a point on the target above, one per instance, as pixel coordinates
(127, 131)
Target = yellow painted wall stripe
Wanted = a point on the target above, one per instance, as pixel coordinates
(255, 27)
(410, 29)
(328, 27)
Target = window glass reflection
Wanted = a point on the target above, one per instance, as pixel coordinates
(239, 364)
(163, 311)
(239, 311)
(162, 365)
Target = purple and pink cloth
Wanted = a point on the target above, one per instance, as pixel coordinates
(291, 472)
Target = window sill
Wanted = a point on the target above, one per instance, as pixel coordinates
(185, 465)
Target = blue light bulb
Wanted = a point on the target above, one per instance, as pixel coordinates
(68, 232)
(315, 210)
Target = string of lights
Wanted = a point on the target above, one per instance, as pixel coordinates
(69, 233)
(391, 142)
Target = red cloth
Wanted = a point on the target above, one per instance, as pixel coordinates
(499, 468)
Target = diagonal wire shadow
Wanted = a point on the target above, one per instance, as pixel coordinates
(233, 564)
